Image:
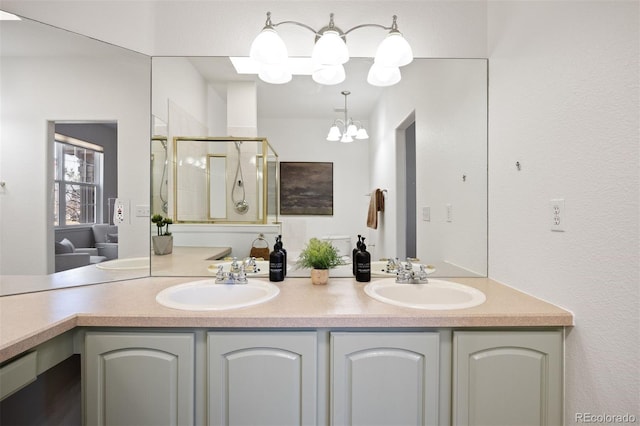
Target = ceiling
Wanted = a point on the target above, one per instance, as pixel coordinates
(302, 97)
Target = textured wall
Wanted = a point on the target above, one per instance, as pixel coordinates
(563, 101)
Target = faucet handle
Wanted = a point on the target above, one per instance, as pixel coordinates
(422, 275)
(220, 273)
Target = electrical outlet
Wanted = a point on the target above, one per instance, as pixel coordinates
(558, 214)
(449, 213)
(120, 211)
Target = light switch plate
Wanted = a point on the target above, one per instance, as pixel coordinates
(426, 214)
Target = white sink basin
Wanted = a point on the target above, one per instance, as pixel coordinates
(379, 269)
(205, 295)
(435, 295)
(125, 264)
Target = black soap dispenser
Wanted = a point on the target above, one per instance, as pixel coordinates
(353, 255)
(276, 263)
(363, 264)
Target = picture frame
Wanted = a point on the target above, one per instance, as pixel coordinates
(306, 188)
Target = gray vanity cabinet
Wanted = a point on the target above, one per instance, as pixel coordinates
(507, 378)
(262, 378)
(140, 379)
(384, 378)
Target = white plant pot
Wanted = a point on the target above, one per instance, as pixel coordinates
(162, 244)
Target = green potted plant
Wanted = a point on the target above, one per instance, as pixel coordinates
(163, 241)
(319, 256)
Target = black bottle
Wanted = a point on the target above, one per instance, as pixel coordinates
(276, 263)
(284, 265)
(363, 264)
(353, 255)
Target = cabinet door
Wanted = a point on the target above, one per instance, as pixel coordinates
(507, 378)
(139, 378)
(384, 378)
(262, 378)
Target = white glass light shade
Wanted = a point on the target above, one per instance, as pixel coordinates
(394, 51)
(330, 49)
(346, 138)
(383, 76)
(274, 74)
(329, 75)
(352, 130)
(362, 134)
(268, 48)
(334, 134)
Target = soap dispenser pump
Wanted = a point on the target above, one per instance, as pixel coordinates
(363, 264)
(355, 251)
(284, 252)
(276, 263)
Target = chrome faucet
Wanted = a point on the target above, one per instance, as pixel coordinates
(236, 274)
(393, 265)
(406, 274)
(250, 265)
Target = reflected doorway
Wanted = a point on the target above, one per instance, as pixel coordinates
(406, 244)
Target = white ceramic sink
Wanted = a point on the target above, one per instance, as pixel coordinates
(435, 295)
(379, 269)
(205, 295)
(125, 264)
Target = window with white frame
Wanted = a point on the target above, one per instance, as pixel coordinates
(77, 182)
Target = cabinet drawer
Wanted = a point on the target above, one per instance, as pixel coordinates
(17, 374)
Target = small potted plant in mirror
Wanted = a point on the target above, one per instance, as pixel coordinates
(319, 256)
(163, 241)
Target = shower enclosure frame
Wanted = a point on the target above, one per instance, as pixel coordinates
(263, 157)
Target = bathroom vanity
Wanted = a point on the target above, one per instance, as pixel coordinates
(312, 355)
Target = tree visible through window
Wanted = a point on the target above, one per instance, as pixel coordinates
(78, 182)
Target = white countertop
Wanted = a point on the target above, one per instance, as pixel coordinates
(27, 320)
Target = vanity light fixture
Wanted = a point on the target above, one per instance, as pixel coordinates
(329, 54)
(350, 129)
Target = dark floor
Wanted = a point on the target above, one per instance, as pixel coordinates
(53, 399)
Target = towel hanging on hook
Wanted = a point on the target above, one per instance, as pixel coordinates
(376, 204)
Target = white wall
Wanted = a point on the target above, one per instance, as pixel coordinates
(305, 140)
(36, 90)
(564, 103)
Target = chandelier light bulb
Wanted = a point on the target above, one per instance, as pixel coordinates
(274, 74)
(346, 138)
(330, 49)
(383, 76)
(394, 51)
(352, 130)
(362, 134)
(334, 134)
(269, 48)
(329, 75)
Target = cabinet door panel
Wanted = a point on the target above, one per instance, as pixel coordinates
(507, 378)
(385, 378)
(141, 379)
(266, 378)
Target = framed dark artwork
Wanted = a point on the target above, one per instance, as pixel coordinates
(306, 188)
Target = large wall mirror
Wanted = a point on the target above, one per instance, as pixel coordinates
(426, 152)
(74, 147)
